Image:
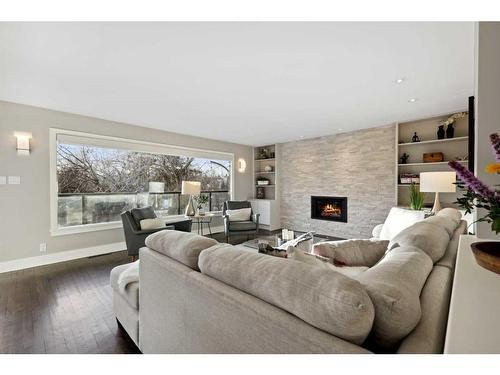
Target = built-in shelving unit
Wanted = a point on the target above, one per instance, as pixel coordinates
(265, 197)
(452, 148)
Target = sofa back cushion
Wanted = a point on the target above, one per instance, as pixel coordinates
(325, 299)
(394, 285)
(399, 219)
(432, 239)
(352, 253)
(182, 246)
(451, 213)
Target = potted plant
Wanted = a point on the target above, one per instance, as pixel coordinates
(201, 200)
(262, 181)
(479, 195)
(416, 198)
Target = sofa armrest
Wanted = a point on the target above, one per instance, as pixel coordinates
(376, 231)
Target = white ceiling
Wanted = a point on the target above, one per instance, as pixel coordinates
(250, 83)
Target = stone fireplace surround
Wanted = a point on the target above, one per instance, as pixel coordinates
(358, 165)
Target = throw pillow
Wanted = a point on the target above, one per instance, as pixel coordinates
(142, 213)
(364, 253)
(242, 214)
(399, 219)
(322, 262)
(147, 224)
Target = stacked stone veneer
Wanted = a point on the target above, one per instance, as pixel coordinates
(358, 165)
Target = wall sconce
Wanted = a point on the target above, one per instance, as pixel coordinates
(23, 143)
(242, 165)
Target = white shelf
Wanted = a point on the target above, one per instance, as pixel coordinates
(434, 163)
(269, 159)
(265, 185)
(265, 172)
(434, 141)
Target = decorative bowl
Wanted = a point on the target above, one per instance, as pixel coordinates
(487, 255)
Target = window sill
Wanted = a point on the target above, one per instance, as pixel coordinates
(75, 229)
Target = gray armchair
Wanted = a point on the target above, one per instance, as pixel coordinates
(135, 237)
(239, 227)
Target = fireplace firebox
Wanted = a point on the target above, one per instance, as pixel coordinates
(329, 208)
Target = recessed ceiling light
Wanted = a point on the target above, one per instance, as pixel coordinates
(341, 129)
(400, 80)
(412, 100)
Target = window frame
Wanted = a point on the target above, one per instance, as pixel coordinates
(152, 147)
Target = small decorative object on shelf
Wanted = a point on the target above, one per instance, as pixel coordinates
(268, 168)
(263, 153)
(440, 132)
(262, 181)
(260, 193)
(433, 157)
(416, 198)
(450, 131)
(409, 178)
(404, 158)
(415, 138)
(271, 155)
(480, 195)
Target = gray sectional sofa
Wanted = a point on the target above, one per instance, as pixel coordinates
(200, 296)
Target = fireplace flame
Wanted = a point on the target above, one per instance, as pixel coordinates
(331, 210)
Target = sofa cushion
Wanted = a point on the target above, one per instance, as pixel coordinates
(430, 238)
(242, 225)
(182, 246)
(399, 219)
(451, 213)
(394, 285)
(326, 300)
(444, 221)
(352, 252)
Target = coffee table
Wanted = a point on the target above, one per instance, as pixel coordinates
(275, 240)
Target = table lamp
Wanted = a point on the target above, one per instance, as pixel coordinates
(438, 182)
(190, 188)
(156, 188)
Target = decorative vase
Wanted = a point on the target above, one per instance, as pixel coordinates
(440, 132)
(268, 168)
(487, 255)
(450, 131)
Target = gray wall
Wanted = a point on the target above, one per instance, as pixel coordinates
(358, 165)
(487, 105)
(25, 208)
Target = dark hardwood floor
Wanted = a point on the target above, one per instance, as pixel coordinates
(61, 308)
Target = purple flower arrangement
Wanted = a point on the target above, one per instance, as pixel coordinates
(478, 194)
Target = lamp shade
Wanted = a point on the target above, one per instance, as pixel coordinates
(191, 187)
(438, 182)
(156, 187)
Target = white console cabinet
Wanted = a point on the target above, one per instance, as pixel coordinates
(269, 211)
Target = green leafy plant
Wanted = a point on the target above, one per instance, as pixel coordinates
(416, 198)
(201, 200)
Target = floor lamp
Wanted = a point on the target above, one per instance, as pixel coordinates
(438, 182)
(190, 188)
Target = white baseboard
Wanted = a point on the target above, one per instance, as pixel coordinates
(63, 256)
